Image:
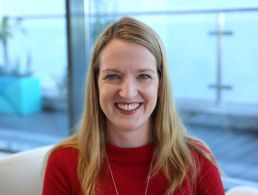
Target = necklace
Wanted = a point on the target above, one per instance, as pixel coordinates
(112, 176)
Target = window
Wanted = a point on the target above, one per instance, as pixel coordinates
(33, 103)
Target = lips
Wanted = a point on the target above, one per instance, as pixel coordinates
(127, 107)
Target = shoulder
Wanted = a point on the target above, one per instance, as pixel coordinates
(63, 151)
(62, 162)
(199, 145)
(61, 171)
(208, 173)
(63, 156)
(204, 160)
(201, 152)
(66, 149)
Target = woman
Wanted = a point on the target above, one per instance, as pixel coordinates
(130, 139)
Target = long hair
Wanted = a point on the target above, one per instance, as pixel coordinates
(173, 145)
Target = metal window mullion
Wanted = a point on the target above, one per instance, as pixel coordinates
(78, 55)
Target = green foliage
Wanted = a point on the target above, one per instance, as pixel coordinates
(99, 20)
(98, 24)
(5, 29)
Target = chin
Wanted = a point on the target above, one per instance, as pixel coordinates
(130, 127)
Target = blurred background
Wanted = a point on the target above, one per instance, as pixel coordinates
(211, 46)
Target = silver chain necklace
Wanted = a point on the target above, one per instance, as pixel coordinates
(112, 176)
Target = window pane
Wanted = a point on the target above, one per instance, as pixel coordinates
(240, 71)
(33, 103)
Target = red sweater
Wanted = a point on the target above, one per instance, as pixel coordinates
(130, 167)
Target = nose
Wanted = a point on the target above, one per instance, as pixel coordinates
(128, 88)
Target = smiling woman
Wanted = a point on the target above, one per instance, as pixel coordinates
(130, 139)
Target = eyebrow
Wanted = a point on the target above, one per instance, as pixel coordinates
(147, 70)
(140, 70)
(110, 70)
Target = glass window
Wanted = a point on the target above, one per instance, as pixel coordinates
(240, 70)
(33, 74)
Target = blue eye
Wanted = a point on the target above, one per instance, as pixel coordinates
(112, 77)
(144, 76)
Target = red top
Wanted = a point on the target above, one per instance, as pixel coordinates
(130, 167)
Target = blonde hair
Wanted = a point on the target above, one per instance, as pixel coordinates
(173, 146)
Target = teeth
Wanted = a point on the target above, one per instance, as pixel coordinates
(128, 107)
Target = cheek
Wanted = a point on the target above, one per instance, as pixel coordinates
(101, 94)
(153, 95)
(103, 101)
(105, 95)
(153, 91)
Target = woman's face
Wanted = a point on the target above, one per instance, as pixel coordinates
(128, 88)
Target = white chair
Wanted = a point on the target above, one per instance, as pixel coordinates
(242, 190)
(21, 173)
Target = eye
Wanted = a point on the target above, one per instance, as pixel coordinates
(144, 76)
(112, 77)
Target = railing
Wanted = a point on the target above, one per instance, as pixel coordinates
(219, 86)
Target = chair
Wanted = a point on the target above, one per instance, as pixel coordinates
(21, 173)
(242, 190)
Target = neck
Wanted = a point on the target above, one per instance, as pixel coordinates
(129, 139)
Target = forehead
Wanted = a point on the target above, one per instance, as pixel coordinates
(119, 52)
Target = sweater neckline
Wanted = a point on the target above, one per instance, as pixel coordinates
(138, 154)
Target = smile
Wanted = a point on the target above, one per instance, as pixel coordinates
(128, 107)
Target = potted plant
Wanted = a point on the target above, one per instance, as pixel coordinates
(20, 92)
(7, 30)
(5, 33)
